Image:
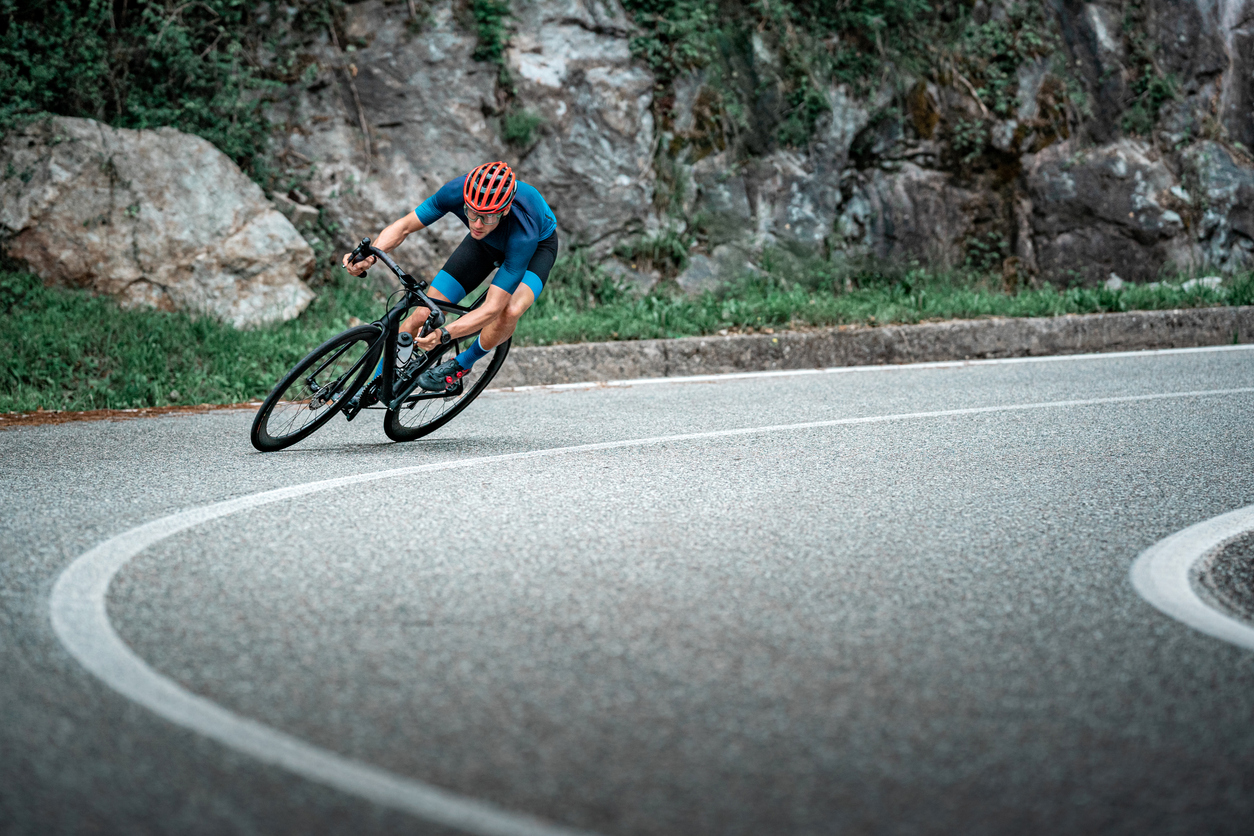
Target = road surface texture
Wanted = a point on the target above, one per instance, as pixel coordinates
(920, 624)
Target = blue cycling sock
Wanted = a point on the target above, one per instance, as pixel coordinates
(472, 355)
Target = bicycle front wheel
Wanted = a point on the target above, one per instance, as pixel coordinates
(316, 389)
(421, 413)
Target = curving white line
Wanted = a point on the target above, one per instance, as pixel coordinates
(81, 623)
(1162, 575)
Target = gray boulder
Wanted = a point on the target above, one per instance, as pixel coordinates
(636, 282)
(1106, 210)
(700, 275)
(789, 196)
(157, 218)
(726, 263)
(912, 212)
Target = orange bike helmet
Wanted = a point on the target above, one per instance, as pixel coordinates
(490, 188)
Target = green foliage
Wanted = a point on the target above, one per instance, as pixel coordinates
(576, 285)
(864, 37)
(150, 63)
(991, 53)
(987, 252)
(797, 293)
(969, 138)
(492, 23)
(1149, 88)
(1150, 91)
(518, 127)
(678, 34)
(872, 19)
(665, 250)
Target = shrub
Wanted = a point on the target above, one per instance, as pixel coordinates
(519, 127)
(152, 63)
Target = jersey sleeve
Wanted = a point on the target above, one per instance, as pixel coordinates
(446, 199)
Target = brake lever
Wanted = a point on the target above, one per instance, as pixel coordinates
(360, 254)
(435, 319)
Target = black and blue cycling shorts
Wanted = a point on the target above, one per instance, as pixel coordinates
(473, 260)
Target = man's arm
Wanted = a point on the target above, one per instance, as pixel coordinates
(389, 239)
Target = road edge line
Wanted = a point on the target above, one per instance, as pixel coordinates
(1162, 575)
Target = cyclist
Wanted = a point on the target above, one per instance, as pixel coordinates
(511, 227)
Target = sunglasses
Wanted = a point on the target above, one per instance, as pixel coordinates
(487, 220)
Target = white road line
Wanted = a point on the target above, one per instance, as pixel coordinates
(1162, 575)
(81, 622)
(940, 364)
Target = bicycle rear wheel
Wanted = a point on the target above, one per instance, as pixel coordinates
(315, 389)
(423, 413)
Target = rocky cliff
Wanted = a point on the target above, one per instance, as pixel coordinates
(1061, 140)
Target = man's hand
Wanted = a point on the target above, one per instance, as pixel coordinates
(361, 266)
(428, 342)
(389, 239)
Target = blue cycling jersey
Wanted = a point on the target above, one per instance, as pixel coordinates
(530, 221)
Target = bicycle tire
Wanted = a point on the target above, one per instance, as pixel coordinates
(353, 345)
(397, 427)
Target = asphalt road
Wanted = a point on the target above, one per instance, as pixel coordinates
(916, 625)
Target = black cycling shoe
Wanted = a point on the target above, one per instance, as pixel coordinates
(445, 377)
(366, 396)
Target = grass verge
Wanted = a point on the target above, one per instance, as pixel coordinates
(68, 350)
(65, 349)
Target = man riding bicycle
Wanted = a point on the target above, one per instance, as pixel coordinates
(511, 227)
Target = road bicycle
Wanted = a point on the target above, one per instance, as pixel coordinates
(336, 377)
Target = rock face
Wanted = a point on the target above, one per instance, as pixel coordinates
(1121, 143)
(155, 218)
(1106, 210)
(593, 156)
(1053, 191)
(433, 113)
(1045, 188)
(1103, 203)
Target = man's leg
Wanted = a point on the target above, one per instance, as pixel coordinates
(499, 329)
(502, 328)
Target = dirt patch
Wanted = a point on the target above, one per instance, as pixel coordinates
(43, 416)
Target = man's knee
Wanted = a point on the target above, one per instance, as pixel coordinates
(513, 313)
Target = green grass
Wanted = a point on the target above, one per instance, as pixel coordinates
(790, 295)
(63, 349)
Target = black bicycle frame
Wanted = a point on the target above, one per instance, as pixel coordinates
(385, 346)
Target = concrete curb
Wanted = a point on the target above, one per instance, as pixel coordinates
(869, 346)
